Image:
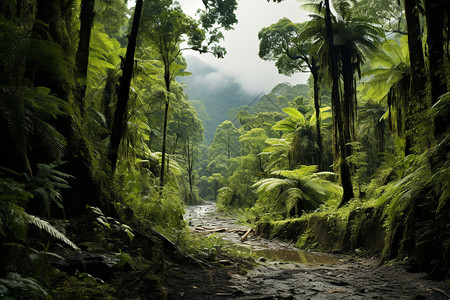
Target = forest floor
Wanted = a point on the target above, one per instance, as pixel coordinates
(280, 271)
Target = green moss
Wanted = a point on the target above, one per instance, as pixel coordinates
(357, 225)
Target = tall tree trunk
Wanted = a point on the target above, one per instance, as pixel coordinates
(435, 40)
(190, 167)
(316, 87)
(347, 111)
(118, 126)
(82, 56)
(336, 108)
(418, 76)
(166, 116)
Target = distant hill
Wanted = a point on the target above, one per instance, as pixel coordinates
(212, 94)
(279, 97)
(218, 97)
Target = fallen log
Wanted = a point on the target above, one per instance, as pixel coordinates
(208, 230)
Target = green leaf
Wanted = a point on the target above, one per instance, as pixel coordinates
(298, 116)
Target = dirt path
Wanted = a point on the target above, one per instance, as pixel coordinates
(284, 272)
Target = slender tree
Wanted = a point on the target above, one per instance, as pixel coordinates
(336, 109)
(167, 26)
(124, 89)
(354, 38)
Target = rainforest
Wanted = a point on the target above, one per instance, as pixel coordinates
(126, 174)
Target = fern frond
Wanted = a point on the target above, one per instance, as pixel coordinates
(268, 184)
(44, 225)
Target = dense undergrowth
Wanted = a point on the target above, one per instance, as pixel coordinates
(406, 219)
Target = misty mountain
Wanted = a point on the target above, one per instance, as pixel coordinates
(218, 97)
(212, 94)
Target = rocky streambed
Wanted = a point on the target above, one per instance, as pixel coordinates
(284, 272)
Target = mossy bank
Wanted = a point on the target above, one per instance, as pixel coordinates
(366, 229)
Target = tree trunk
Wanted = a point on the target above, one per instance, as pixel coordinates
(190, 167)
(118, 126)
(347, 111)
(418, 76)
(336, 107)
(315, 73)
(166, 115)
(82, 56)
(435, 40)
(109, 92)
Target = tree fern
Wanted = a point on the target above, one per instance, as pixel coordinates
(298, 188)
(277, 153)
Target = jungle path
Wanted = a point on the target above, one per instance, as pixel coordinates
(284, 272)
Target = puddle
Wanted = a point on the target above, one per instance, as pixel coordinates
(297, 256)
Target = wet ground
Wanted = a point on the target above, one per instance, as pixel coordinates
(204, 219)
(284, 272)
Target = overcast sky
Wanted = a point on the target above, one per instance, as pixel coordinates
(242, 44)
(242, 61)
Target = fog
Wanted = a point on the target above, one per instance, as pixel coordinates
(242, 61)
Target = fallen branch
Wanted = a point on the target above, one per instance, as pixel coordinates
(246, 234)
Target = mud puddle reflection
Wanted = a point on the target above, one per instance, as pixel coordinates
(299, 256)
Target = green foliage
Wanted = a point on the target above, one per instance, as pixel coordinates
(111, 223)
(124, 258)
(268, 164)
(46, 186)
(13, 197)
(226, 141)
(416, 207)
(14, 286)
(220, 13)
(212, 97)
(281, 42)
(299, 133)
(281, 96)
(26, 114)
(384, 12)
(238, 193)
(14, 220)
(207, 248)
(296, 191)
(140, 191)
(278, 153)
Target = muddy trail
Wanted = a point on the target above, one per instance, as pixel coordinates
(281, 271)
